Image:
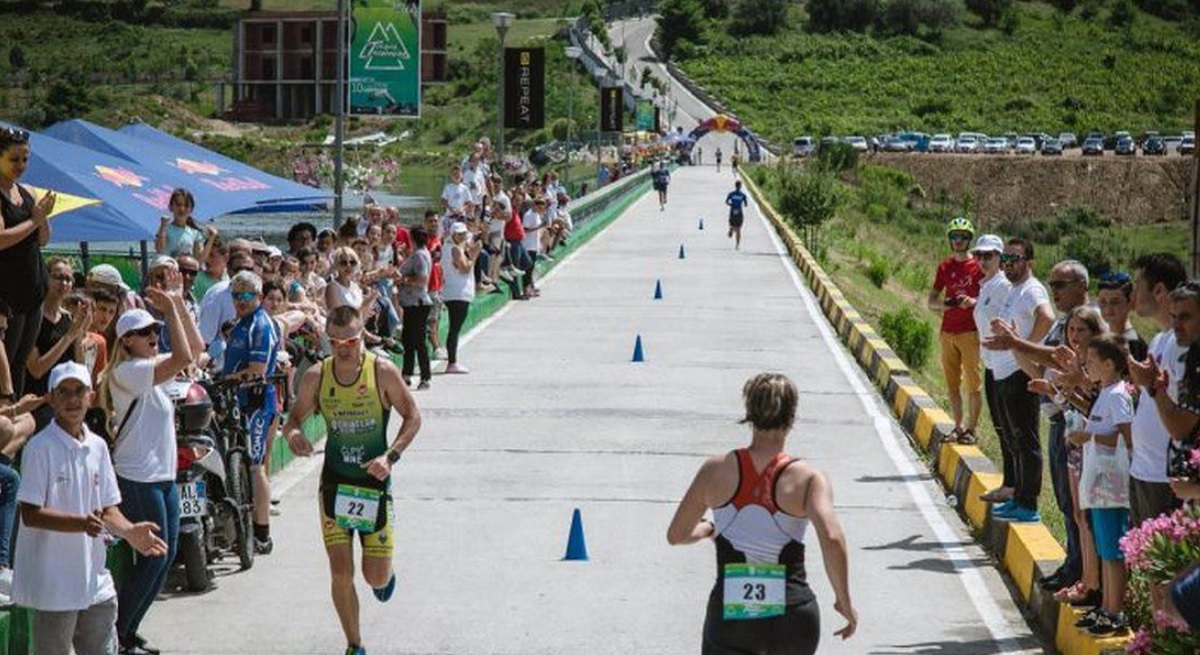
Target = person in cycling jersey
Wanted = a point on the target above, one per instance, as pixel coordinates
(252, 351)
(355, 392)
(736, 201)
(762, 503)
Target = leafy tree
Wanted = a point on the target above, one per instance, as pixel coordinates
(768, 17)
(16, 57)
(68, 97)
(842, 15)
(716, 9)
(1122, 14)
(909, 17)
(678, 21)
(990, 11)
(807, 200)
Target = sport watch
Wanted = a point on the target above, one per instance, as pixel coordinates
(393, 456)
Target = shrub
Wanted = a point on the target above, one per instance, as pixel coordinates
(837, 158)
(989, 11)
(807, 199)
(909, 335)
(842, 15)
(679, 20)
(767, 17)
(910, 17)
(878, 272)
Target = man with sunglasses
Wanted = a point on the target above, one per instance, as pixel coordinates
(1025, 317)
(955, 288)
(251, 352)
(356, 392)
(217, 309)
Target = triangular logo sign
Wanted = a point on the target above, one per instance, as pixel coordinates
(384, 49)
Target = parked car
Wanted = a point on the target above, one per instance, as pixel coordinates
(1068, 140)
(917, 141)
(1052, 146)
(1171, 143)
(858, 143)
(966, 144)
(1110, 142)
(896, 144)
(803, 146)
(1187, 146)
(1026, 145)
(1093, 146)
(1154, 146)
(1126, 146)
(996, 145)
(941, 143)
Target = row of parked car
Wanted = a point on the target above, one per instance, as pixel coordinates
(1094, 144)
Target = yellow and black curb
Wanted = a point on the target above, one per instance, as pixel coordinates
(1027, 551)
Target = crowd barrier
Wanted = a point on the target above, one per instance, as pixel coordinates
(1027, 551)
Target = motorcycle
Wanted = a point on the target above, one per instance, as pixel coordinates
(216, 496)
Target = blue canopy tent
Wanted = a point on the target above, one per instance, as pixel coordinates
(278, 190)
(217, 189)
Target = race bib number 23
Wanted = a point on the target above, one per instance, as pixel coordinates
(754, 591)
(355, 508)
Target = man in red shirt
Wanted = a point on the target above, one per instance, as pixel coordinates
(955, 288)
(436, 281)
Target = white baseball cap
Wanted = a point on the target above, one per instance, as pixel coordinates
(135, 319)
(458, 228)
(988, 242)
(107, 274)
(70, 371)
(163, 260)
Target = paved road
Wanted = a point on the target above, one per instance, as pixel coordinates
(555, 417)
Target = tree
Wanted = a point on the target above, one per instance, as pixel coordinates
(715, 9)
(679, 20)
(767, 17)
(911, 16)
(1122, 14)
(842, 15)
(990, 11)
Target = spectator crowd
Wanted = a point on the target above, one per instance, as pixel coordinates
(85, 358)
(1123, 413)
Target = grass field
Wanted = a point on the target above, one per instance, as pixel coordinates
(910, 243)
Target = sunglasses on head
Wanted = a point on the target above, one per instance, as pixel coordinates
(349, 341)
(148, 331)
(1114, 280)
(244, 296)
(14, 135)
(1011, 258)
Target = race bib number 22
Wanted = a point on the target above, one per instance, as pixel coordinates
(355, 508)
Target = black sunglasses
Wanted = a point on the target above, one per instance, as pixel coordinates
(148, 331)
(1010, 258)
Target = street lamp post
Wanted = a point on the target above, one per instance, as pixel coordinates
(502, 20)
(601, 76)
(573, 54)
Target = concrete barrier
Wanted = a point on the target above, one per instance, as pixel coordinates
(1027, 551)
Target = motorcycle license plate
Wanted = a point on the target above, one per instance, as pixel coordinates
(193, 501)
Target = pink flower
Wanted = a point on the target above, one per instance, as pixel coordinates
(1140, 644)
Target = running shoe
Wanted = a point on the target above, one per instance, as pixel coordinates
(423, 385)
(1022, 515)
(384, 594)
(1001, 508)
(264, 546)
(356, 650)
(457, 369)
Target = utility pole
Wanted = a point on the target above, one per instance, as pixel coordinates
(1196, 198)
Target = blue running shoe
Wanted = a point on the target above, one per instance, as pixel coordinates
(998, 511)
(356, 650)
(385, 593)
(1023, 515)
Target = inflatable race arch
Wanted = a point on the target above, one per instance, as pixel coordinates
(724, 123)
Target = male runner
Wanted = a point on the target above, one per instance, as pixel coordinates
(355, 392)
(661, 178)
(735, 201)
(719, 155)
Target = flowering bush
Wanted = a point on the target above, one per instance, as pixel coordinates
(1155, 553)
(364, 173)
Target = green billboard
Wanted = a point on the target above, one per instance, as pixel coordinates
(385, 59)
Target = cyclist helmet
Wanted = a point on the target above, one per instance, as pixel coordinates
(961, 224)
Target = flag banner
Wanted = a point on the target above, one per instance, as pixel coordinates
(612, 110)
(385, 59)
(524, 88)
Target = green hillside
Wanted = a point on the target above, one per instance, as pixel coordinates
(1055, 72)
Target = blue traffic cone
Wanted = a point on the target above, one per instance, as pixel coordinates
(658, 290)
(702, 224)
(638, 356)
(681, 255)
(576, 546)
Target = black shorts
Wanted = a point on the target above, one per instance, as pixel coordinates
(736, 219)
(660, 187)
(797, 632)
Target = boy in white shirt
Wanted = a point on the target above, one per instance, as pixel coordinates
(69, 498)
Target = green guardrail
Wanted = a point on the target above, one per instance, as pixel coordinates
(591, 216)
